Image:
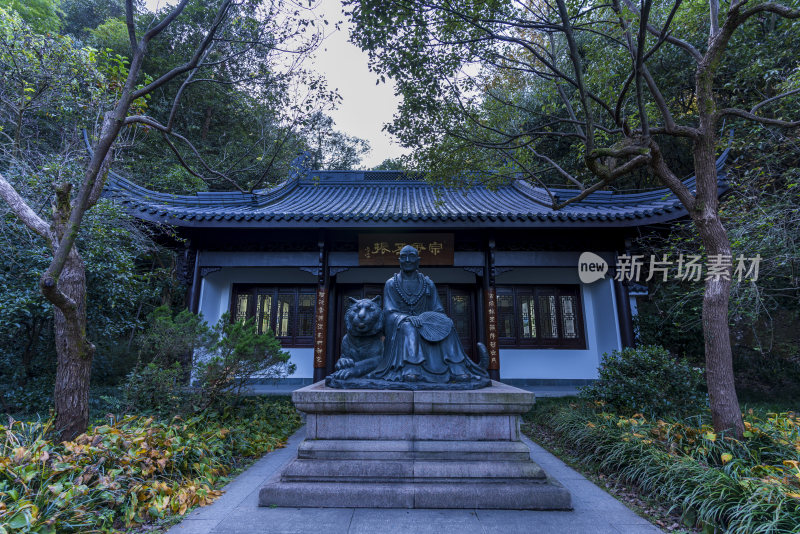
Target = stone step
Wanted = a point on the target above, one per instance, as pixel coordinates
(302, 470)
(515, 495)
(425, 427)
(413, 450)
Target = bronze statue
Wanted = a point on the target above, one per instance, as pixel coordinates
(421, 349)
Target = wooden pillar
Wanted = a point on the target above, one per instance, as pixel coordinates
(193, 256)
(490, 311)
(321, 319)
(624, 314)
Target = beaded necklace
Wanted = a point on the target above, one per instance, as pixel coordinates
(411, 300)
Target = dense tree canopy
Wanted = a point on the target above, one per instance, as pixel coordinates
(594, 96)
(193, 97)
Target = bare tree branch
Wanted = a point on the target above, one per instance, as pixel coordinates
(578, 68)
(662, 170)
(638, 66)
(774, 98)
(193, 62)
(761, 120)
(769, 7)
(24, 212)
(713, 12)
(158, 28)
(558, 168)
(131, 25)
(142, 119)
(691, 50)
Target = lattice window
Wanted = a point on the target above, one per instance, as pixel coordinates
(505, 316)
(527, 315)
(242, 305)
(569, 320)
(305, 314)
(540, 316)
(286, 310)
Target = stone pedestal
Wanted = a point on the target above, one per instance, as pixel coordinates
(414, 449)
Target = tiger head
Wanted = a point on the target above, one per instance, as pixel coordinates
(364, 317)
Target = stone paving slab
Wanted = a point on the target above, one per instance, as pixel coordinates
(287, 389)
(237, 511)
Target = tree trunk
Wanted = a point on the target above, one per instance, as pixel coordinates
(74, 354)
(725, 411)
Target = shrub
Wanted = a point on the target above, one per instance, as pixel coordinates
(169, 339)
(237, 353)
(226, 356)
(649, 380)
(152, 388)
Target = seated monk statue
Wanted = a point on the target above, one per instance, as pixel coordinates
(421, 344)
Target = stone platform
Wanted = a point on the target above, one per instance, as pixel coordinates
(414, 449)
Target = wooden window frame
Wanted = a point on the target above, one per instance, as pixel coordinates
(275, 290)
(537, 291)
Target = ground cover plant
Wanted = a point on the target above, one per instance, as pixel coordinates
(128, 471)
(714, 480)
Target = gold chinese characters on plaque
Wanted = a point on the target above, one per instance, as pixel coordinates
(384, 249)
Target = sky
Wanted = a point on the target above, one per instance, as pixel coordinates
(365, 106)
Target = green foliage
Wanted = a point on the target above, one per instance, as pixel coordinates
(175, 179)
(81, 16)
(331, 149)
(237, 353)
(716, 481)
(226, 357)
(153, 388)
(392, 164)
(761, 214)
(649, 380)
(125, 281)
(113, 35)
(168, 339)
(129, 471)
(248, 110)
(42, 15)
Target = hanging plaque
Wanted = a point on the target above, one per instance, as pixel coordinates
(384, 249)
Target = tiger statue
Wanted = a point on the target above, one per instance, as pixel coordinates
(362, 346)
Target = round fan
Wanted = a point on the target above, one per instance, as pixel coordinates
(435, 326)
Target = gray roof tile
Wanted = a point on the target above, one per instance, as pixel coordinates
(358, 198)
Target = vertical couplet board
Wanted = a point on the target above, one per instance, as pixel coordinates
(491, 329)
(321, 322)
(320, 328)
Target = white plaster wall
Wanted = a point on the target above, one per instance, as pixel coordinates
(303, 358)
(600, 324)
(215, 295)
(599, 310)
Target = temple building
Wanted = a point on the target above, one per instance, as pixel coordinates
(504, 263)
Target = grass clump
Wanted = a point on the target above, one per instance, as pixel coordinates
(129, 471)
(716, 481)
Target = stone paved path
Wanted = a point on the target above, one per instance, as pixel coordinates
(237, 511)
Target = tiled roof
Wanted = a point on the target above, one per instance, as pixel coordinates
(388, 199)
